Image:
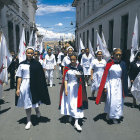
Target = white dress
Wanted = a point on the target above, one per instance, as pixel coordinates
(98, 69)
(25, 98)
(49, 62)
(69, 103)
(135, 89)
(86, 63)
(66, 61)
(114, 101)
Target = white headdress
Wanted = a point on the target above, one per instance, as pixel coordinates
(30, 47)
(70, 47)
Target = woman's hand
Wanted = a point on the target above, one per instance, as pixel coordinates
(18, 92)
(105, 90)
(66, 92)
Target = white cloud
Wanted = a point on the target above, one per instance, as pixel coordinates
(59, 24)
(44, 9)
(67, 17)
(53, 35)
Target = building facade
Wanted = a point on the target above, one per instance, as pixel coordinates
(13, 17)
(114, 17)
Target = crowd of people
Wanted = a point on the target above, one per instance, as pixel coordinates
(109, 82)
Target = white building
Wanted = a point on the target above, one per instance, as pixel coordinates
(114, 17)
(13, 17)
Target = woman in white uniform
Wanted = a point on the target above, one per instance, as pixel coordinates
(134, 74)
(97, 70)
(49, 66)
(73, 92)
(66, 61)
(31, 86)
(86, 61)
(114, 84)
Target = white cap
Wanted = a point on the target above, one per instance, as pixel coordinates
(98, 51)
(70, 47)
(30, 47)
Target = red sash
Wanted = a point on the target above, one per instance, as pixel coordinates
(103, 81)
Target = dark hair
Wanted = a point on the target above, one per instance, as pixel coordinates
(37, 52)
(117, 50)
(73, 54)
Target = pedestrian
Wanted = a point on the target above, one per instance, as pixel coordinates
(66, 61)
(12, 68)
(59, 61)
(134, 74)
(114, 84)
(49, 66)
(31, 86)
(37, 57)
(62, 57)
(97, 69)
(80, 56)
(73, 97)
(86, 61)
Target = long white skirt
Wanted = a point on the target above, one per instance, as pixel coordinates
(97, 76)
(87, 70)
(135, 90)
(69, 103)
(25, 98)
(114, 101)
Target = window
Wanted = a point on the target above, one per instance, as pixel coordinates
(92, 37)
(84, 38)
(124, 32)
(88, 7)
(110, 41)
(87, 38)
(83, 9)
(100, 30)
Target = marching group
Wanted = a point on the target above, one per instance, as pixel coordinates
(109, 79)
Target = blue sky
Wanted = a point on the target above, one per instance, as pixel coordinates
(56, 15)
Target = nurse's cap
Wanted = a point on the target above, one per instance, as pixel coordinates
(114, 49)
(30, 47)
(70, 47)
(98, 51)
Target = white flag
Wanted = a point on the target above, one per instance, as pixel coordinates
(22, 48)
(36, 42)
(31, 39)
(6, 59)
(105, 51)
(134, 46)
(81, 46)
(91, 49)
(102, 47)
(41, 47)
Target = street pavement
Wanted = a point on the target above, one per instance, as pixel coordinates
(53, 126)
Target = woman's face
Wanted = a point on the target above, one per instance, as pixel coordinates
(70, 51)
(29, 54)
(73, 60)
(99, 55)
(117, 56)
(36, 55)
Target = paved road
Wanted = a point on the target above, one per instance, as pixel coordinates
(53, 127)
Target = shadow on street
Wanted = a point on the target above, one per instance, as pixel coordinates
(35, 120)
(5, 110)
